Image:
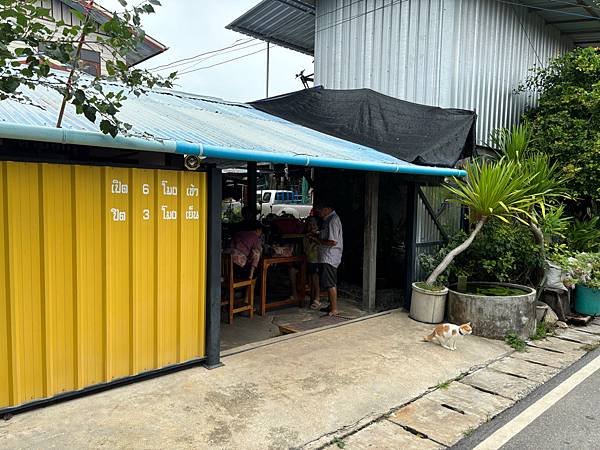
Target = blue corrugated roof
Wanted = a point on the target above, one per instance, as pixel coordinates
(185, 118)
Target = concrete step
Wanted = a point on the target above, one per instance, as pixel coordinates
(499, 383)
(559, 345)
(435, 421)
(470, 400)
(386, 435)
(578, 336)
(524, 368)
(592, 328)
(547, 357)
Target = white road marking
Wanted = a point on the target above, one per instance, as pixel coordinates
(502, 435)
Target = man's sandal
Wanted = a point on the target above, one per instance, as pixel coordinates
(315, 305)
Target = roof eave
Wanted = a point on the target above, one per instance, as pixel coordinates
(97, 139)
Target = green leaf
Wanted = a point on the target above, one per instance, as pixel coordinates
(44, 70)
(78, 14)
(22, 19)
(42, 13)
(105, 126)
(9, 84)
(79, 97)
(89, 112)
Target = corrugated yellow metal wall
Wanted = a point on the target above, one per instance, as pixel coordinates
(102, 275)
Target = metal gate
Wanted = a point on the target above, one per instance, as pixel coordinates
(436, 220)
(102, 275)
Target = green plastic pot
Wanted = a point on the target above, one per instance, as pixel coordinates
(587, 301)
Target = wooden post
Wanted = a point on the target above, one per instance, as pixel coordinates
(410, 242)
(251, 190)
(370, 241)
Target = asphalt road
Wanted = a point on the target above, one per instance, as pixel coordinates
(573, 422)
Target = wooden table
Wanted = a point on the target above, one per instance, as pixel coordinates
(287, 260)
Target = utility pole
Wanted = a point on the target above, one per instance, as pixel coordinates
(268, 49)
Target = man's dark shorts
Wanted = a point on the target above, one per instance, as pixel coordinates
(312, 268)
(328, 276)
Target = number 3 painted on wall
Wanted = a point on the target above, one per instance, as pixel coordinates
(146, 214)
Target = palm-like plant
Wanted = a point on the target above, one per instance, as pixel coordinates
(546, 181)
(491, 189)
(518, 186)
(513, 143)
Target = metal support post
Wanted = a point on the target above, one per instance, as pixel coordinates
(410, 243)
(213, 270)
(251, 191)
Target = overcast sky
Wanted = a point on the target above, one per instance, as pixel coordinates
(191, 27)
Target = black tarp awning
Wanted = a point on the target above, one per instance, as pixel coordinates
(415, 133)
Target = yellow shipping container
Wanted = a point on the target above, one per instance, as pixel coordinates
(103, 274)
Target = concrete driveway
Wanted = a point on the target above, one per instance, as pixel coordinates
(287, 394)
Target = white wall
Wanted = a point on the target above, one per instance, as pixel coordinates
(60, 11)
(468, 54)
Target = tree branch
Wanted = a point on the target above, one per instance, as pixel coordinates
(455, 252)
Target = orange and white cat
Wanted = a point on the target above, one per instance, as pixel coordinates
(446, 334)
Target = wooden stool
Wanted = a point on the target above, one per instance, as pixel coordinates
(230, 285)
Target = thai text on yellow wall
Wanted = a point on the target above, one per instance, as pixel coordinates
(102, 275)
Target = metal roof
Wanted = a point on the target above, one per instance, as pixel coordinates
(288, 23)
(291, 23)
(577, 19)
(146, 49)
(201, 125)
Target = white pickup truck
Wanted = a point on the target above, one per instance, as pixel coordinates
(280, 202)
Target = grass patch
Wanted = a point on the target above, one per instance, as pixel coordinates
(515, 342)
(340, 443)
(590, 347)
(430, 287)
(468, 432)
(543, 330)
(444, 384)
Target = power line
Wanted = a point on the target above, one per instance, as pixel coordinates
(539, 8)
(235, 44)
(195, 62)
(575, 5)
(527, 35)
(333, 11)
(348, 19)
(222, 62)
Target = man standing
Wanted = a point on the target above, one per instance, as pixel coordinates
(331, 246)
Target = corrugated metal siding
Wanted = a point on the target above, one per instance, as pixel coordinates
(468, 54)
(97, 282)
(428, 234)
(290, 24)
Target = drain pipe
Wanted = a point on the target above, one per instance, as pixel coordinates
(96, 139)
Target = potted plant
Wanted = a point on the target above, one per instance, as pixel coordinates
(521, 185)
(582, 272)
(490, 189)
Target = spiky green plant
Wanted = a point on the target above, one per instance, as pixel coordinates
(490, 189)
(514, 143)
(520, 185)
(547, 183)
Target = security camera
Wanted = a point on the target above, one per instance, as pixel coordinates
(191, 162)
